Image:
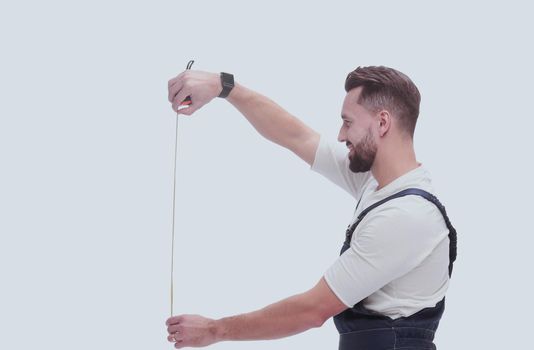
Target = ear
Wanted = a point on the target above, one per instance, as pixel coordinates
(384, 122)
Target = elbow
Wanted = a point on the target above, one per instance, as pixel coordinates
(323, 313)
(319, 320)
(320, 323)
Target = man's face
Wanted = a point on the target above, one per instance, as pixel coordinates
(357, 133)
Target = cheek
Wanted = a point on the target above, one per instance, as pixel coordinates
(355, 135)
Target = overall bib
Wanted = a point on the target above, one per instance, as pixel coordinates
(364, 329)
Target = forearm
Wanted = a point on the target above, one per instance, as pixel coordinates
(282, 319)
(268, 118)
(287, 317)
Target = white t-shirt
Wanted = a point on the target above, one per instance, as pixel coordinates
(399, 254)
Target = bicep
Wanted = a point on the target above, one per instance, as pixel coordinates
(325, 303)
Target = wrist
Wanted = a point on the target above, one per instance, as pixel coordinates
(238, 93)
(227, 84)
(219, 330)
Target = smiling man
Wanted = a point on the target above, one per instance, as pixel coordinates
(387, 288)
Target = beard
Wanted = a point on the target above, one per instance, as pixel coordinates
(363, 154)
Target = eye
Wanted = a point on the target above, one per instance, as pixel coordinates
(346, 123)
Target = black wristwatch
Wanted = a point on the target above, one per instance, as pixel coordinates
(227, 82)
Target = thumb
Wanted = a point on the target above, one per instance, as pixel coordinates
(192, 108)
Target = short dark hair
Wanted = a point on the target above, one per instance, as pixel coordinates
(387, 88)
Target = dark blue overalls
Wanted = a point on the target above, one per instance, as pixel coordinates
(364, 329)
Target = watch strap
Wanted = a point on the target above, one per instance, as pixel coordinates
(227, 82)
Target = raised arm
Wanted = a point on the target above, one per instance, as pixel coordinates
(274, 123)
(267, 117)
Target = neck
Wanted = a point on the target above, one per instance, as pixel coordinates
(394, 161)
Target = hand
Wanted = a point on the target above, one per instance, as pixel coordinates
(201, 86)
(191, 330)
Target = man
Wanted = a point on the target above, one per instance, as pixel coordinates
(387, 288)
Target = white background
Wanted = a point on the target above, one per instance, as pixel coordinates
(86, 147)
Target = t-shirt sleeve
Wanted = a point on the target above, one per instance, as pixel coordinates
(389, 244)
(332, 161)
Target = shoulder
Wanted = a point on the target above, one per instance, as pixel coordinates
(409, 217)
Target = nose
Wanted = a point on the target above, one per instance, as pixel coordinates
(341, 137)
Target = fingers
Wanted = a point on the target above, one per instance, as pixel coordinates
(189, 110)
(190, 331)
(199, 86)
(174, 320)
(174, 337)
(175, 332)
(175, 85)
(173, 328)
(178, 92)
(179, 99)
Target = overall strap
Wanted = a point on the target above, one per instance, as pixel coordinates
(418, 192)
